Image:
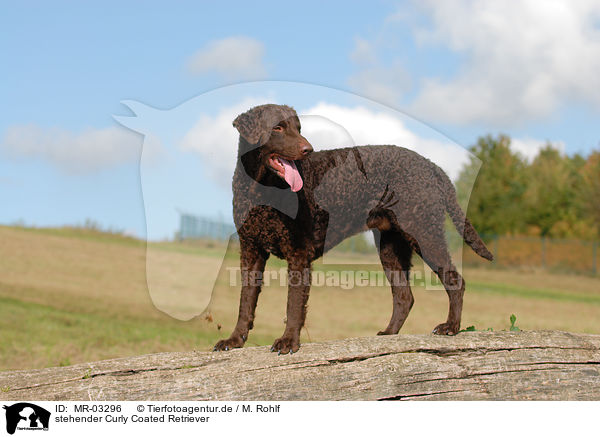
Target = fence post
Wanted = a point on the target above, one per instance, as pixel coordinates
(496, 258)
(543, 252)
(594, 257)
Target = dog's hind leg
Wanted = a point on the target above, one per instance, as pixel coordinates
(253, 262)
(395, 254)
(434, 250)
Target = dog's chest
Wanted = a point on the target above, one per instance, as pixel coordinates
(281, 235)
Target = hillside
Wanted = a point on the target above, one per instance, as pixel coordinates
(70, 295)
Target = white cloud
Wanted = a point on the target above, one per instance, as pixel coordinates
(363, 126)
(235, 58)
(90, 150)
(381, 84)
(530, 147)
(326, 126)
(384, 84)
(518, 62)
(522, 61)
(329, 126)
(216, 140)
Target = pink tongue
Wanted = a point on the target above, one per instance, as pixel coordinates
(291, 175)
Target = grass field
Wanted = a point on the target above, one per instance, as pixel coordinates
(75, 295)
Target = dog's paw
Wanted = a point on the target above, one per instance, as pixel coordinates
(386, 332)
(284, 345)
(446, 329)
(230, 343)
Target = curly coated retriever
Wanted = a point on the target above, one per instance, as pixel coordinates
(296, 204)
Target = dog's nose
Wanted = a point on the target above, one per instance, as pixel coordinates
(306, 149)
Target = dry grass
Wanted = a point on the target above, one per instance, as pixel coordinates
(67, 297)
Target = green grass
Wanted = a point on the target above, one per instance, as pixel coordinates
(533, 293)
(84, 234)
(52, 336)
(57, 334)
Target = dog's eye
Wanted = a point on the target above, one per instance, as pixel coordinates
(278, 128)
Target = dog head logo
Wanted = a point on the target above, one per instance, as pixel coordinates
(26, 416)
(190, 153)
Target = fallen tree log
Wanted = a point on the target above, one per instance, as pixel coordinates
(470, 366)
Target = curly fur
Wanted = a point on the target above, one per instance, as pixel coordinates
(397, 193)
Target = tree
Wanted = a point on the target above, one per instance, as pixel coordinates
(556, 195)
(590, 192)
(551, 197)
(495, 203)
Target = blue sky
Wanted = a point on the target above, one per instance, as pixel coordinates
(462, 68)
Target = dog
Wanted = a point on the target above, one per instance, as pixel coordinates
(294, 203)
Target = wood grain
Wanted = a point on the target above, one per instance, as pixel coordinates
(540, 365)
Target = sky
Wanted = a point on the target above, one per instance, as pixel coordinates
(120, 112)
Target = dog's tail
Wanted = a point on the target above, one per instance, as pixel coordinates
(460, 220)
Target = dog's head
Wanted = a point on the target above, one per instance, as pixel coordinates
(275, 131)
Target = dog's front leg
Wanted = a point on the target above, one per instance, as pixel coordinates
(299, 276)
(253, 262)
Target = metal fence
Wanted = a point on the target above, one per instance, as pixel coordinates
(195, 227)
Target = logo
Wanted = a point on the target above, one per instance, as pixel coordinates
(26, 416)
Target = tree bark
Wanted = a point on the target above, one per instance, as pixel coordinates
(540, 365)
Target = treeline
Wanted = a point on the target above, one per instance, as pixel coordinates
(554, 195)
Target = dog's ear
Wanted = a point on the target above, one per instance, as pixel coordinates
(255, 125)
(250, 126)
